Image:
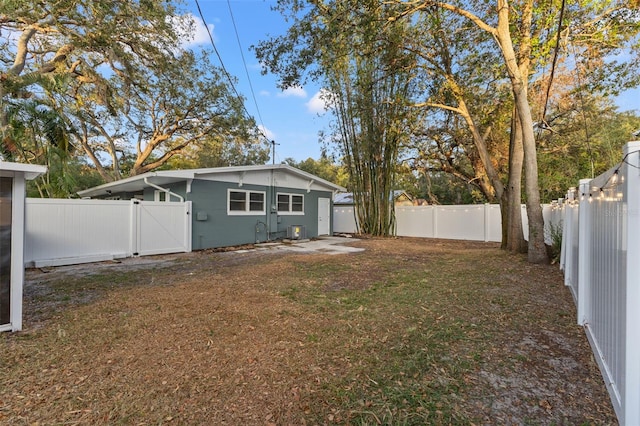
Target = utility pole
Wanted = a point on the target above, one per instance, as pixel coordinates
(273, 155)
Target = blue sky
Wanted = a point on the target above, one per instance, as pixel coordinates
(292, 118)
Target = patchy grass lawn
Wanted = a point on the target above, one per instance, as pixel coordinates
(409, 331)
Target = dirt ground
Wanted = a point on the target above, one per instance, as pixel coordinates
(408, 331)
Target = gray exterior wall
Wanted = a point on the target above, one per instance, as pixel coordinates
(213, 227)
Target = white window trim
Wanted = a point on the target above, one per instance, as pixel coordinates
(289, 212)
(159, 195)
(246, 212)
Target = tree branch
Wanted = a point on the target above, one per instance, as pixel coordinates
(21, 52)
(437, 105)
(417, 6)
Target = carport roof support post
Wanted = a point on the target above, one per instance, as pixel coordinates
(18, 175)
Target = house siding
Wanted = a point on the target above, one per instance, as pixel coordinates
(212, 226)
(220, 229)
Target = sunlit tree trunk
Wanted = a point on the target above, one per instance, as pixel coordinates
(537, 251)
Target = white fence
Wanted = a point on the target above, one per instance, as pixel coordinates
(471, 222)
(477, 222)
(344, 220)
(601, 261)
(62, 232)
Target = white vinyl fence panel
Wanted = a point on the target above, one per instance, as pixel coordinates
(68, 229)
(63, 231)
(569, 253)
(605, 215)
(479, 222)
(344, 220)
(476, 222)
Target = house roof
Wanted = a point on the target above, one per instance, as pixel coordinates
(31, 171)
(165, 177)
(347, 197)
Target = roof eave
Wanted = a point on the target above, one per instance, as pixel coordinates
(107, 188)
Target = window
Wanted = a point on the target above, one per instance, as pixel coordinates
(245, 202)
(256, 201)
(290, 203)
(160, 195)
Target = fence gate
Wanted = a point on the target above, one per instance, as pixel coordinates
(160, 227)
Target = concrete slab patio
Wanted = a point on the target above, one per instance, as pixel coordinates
(324, 245)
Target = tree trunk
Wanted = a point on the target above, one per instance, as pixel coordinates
(537, 251)
(481, 146)
(513, 237)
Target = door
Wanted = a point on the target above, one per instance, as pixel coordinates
(324, 216)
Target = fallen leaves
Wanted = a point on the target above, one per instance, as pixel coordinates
(408, 330)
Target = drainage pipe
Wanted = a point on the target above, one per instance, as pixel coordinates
(159, 188)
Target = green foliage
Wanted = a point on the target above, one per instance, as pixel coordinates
(37, 134)
(554, 233)
(323, 168)
(128, 97)
(582, 146)
(77, 175)
(218, 152)
(373, 85)
(359, 57)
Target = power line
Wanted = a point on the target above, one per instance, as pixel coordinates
(582, 109)
(244, 62)
(215, 49)
(554, 61)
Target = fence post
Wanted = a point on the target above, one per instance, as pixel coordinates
(188, 223)
(632, 329)
(584, 251)
(434, 220)
(567, 235)
(487, 223)
(134, 221)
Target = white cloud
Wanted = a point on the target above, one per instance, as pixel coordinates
(266, 132)
(201, 35)
(320, 102)
(265, 93)
(296, 91)
(192, 30)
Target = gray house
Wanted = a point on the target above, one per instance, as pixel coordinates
(236, 205)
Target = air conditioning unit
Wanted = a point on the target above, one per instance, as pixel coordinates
(296, 232)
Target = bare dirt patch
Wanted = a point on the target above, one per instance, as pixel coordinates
(409, 331)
